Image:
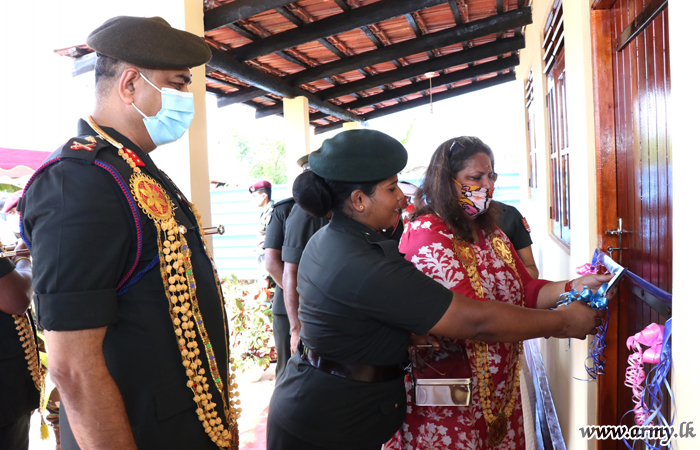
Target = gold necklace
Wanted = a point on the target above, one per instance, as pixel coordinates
(180, 288)
(496, 423)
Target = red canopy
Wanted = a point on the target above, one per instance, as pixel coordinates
(16, 163)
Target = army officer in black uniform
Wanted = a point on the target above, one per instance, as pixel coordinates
(360, 300)
(125, 287)
(19, 394)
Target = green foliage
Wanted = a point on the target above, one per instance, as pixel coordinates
(250, 323)
(9, 188)
(264, 156)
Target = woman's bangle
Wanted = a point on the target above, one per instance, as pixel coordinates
(568, 286)
(18, 259)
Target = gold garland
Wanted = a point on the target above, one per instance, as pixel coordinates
(181, 290)
(26, 336)
(497, 423)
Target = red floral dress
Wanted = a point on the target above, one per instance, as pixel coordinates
(482, 271)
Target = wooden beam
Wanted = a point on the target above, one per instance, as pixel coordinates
(395, 94)
(452, 77)
(471, 30)
(426, 100)
(330, 26)
(342, 5)
(455, 12)
(287, 14)
(650, 11)
(242, 95)
(224, 82)
(453, 59)
(230, 66)
(391, 94)
(414, 26)
(331, 126)
(84, 64)
(238, 10)
(600, 4)
(243, 32)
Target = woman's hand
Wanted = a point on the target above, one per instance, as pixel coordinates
(580, 320)
(592, 281)
(426, 339)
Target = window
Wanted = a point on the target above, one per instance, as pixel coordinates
(555, 70)
(531, 140)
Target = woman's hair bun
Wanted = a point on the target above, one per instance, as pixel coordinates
(313, 194)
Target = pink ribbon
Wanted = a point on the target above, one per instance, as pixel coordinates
(585, 269)
(652, 337)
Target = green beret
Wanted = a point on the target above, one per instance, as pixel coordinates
(359, 156)
(149, 42)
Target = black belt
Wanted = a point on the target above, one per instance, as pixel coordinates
(357, 372)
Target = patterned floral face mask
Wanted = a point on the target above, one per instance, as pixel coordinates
(474, 200)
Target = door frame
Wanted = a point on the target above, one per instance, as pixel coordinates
(606, 187)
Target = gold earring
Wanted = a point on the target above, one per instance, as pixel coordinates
(362, 208)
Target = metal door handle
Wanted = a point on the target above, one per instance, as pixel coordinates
(616, 232)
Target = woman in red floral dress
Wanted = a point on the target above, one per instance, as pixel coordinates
(455, 240)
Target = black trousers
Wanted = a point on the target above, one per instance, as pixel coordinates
(281, 332)
(279, 439)
(15, 435)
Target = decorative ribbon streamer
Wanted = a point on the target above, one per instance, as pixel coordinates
(595, 351)
(650, 337)
(658, 338)
(585, 269)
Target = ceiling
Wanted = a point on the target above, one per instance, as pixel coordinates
(354, 60)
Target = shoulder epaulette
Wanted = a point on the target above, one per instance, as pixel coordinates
(283, 202)
(84, 147)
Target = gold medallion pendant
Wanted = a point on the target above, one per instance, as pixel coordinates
(501, 249)
(497, 430)
(152, 199)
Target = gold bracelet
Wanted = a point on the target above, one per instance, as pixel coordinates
(16, 260)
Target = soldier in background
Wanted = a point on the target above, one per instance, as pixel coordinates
(261, 193)
(19, 395)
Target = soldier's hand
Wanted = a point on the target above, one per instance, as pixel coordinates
(580, 320)
(294, 342)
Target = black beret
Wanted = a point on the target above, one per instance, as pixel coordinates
(149, 42)
(359, 156)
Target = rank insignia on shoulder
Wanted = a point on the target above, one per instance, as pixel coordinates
(132, 156)
(89, 145)
(527, 227)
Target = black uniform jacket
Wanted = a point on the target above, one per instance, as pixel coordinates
(85, 238)
(511, 222)
(359, 302)
(274, 238)
(18, 395)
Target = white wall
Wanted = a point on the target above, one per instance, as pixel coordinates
(564, 359)
(686, 161)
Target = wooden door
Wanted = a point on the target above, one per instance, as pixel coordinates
(632, 89)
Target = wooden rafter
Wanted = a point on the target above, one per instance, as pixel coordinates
(450, 36)
(232, 67)
(461, 33)
(444, 62)
(471, 87)
(395, 94)
(333, 25)
(236, 11)
(452, 77)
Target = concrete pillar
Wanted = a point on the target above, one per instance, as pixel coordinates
(186, 161)
(298, 137)
(352, 126)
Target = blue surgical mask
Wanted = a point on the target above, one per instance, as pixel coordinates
(173, 119)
